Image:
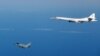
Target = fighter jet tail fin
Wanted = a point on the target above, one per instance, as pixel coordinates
(29, 44)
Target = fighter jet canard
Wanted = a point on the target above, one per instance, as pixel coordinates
(23, 45)
(91, 18)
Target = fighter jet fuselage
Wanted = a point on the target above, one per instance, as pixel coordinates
(21, 45)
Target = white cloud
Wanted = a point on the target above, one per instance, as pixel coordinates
(43, 29)
(73, 32)
(6, 29)
(61, 31)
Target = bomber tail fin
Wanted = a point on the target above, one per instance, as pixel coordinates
(92, 16)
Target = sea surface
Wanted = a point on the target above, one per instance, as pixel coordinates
(49, 37)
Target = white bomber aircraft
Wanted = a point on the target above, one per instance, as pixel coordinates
(91, 18)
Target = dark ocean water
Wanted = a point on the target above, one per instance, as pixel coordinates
(49, 37)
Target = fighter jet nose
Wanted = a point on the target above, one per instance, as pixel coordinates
(17, 43)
